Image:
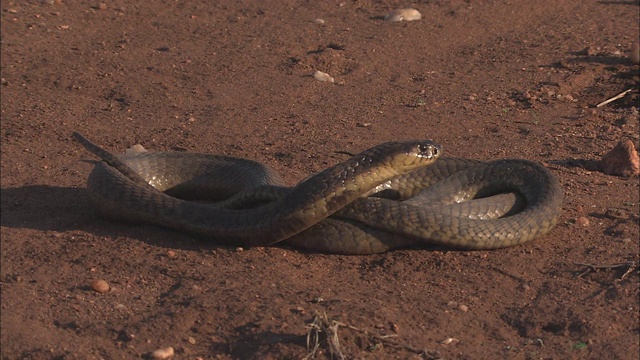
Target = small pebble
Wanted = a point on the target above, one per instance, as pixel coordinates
(322, 76)
(622, 160)
(191, 340)
(136, 149)
(449, 341)
(100, 286)
(463, 308)
(319, 21)
(103, 6)
(163, 353)
(403, 15)
(582, 221)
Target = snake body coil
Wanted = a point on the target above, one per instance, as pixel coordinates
(332, 211)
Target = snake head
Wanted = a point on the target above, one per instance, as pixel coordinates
(409, 155)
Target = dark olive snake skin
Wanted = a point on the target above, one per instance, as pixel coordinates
(393, 195)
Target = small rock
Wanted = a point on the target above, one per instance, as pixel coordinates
(322, 76)
(136, 149)
(319, 21)
(448, 341)
(582, 221)
(191, 340)
(100, 286)
(102, 6)
(463, 308)
(163, 353)
(589, 51)
(622, 160)
(403, 14)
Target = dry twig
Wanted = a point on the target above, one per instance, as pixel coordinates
(619, 96)
(630, 265)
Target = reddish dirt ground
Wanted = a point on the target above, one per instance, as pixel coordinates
(486, 79)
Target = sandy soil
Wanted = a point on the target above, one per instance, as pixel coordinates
(486, 79)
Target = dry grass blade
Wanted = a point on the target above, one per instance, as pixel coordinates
(322, 325)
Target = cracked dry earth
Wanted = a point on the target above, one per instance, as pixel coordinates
(486, 79)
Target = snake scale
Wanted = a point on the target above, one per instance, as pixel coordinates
(396, 194)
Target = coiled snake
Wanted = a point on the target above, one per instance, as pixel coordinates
(393, 195)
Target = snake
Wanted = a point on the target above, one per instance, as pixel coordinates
(393, 195)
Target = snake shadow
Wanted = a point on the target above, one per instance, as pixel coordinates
(63, 209)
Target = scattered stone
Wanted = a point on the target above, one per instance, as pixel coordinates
(582, 221)
(319, 21)
(322, 76)
(171, 253)
(463, 308)
(403, 14)
(163, 353)
(449, 341)
(100, 286)
(590, 51)
(191, 340)
(102, 6)
(395, 327)
(622, 160)
(635, 52)
(135, 149)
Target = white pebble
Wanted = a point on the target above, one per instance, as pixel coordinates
(135, 149)
(321, 76)
(319, 21)
(163, 353)
(403, 14)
